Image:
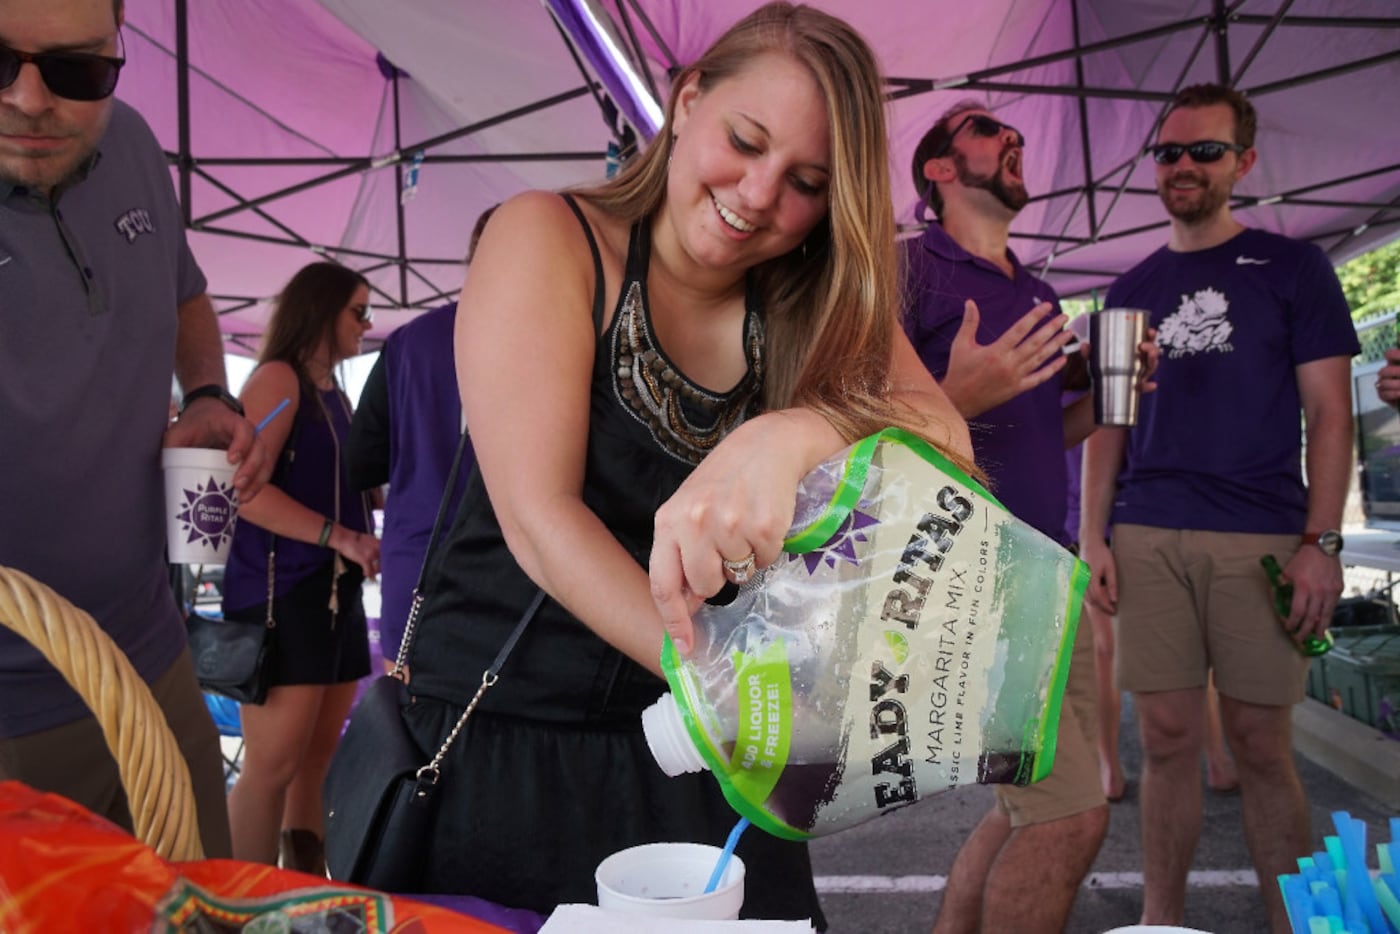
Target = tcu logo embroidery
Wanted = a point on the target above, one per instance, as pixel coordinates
(134, 223)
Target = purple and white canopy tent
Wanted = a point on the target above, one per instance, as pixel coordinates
(291, 135)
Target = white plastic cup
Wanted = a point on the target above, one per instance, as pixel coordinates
(201, 505)
(667, 880)
(1079, 327)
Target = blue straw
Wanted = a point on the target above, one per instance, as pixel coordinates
(723, 863)
(1389, 903)
(271, 415)
(1297, 901)
(1353, 835)
(1334, 893)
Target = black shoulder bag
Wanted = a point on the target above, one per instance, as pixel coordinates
(230, 656)
(380, 795)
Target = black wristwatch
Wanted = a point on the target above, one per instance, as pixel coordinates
(1328, 542)
(213, 391)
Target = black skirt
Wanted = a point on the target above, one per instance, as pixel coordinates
(528, 809)
(308, 646)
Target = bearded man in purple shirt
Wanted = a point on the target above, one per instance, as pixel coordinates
(993, 336)
(1253, 329)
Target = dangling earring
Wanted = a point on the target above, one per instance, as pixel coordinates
(804, 251)
(670, 153)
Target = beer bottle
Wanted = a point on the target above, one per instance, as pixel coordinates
(1283, 605)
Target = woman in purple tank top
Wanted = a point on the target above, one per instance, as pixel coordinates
(300, 552)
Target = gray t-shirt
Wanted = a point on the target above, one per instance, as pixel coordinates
(89, 288)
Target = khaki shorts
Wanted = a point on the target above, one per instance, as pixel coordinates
(1072, 786)
(1190, 602)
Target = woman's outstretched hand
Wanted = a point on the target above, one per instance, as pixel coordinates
(737, 503)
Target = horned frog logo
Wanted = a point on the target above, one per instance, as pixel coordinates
(1200, 324)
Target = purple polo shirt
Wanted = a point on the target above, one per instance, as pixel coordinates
(405, 432)
(1021, 443)
(89, 287)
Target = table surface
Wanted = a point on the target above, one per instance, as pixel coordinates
(1372, 548)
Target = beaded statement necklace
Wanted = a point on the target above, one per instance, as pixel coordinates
(686, 420)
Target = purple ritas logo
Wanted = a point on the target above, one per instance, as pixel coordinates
(208, 513)
(842, 544)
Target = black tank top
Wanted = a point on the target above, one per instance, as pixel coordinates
(648, 427)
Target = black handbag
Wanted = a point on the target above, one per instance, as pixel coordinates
(381, 791)
(380, 794)
(230, 657)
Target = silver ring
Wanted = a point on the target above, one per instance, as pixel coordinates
(741, 571)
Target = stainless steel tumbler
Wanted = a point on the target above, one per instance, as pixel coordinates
(1114, 365)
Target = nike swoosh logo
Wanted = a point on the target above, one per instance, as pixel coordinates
(1248, 261)
(6, 260)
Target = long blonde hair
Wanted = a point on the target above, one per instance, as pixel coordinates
(832, 304)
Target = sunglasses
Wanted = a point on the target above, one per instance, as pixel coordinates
(363, 313)
(76, 76)
(982, 125)
(1205, 150)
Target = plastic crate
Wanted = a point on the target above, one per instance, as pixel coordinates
(1317, 680)
(1369, 640)
(1317, 686)
(1361, 677)
(1367, 611)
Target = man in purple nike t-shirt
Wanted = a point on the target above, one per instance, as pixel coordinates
(992, 334)
(1253, 328)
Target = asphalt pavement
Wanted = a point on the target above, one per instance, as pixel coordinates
(887, 876)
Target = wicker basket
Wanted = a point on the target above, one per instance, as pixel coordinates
(153, 771)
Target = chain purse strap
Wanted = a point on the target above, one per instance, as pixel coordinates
(416, 603)
(271, 581)
(429, 774)
(412, 623)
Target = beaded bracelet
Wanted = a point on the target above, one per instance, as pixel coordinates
(325, 534)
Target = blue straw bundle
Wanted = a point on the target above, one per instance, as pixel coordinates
(1334, 892)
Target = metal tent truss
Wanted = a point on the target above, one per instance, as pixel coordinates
(1070, 69)
(1208, 38)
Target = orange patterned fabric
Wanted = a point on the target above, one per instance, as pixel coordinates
(64, 868)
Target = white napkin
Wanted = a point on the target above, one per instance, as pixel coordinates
(590, 919)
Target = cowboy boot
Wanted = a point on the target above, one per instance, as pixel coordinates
(302, 850)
